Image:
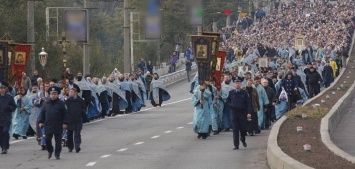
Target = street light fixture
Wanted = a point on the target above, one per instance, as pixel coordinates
(43, 56)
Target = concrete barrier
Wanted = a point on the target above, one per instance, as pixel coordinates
(331, 121)
(276, 158)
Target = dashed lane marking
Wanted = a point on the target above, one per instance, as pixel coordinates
(155, 137)
(138, 143)
(105, 156)
(189, 123)
(90, 164)
(122, 150)
(168, 132)
(17, 141)
(180, 128)
(96, 121)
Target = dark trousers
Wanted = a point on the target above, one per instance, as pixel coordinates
(192, 87)
(268, 116)
(239, 125)
(77, 139)
(173, 67)
(188, 75)
(58, 143)
(326, 84)
(4, 137)
(103, 109)
(253, 125)
(313, 90)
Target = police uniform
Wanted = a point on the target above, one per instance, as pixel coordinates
(7, 106)
(53, 115)
(76, 110)
(240, 105)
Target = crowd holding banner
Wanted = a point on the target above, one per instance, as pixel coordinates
(281, 60)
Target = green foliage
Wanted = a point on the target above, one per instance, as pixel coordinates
(106, 31)
(314, 112)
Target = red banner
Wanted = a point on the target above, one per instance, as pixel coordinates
(219, 68)
(21, 57)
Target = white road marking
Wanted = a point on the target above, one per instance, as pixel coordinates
(122, 150)
(96, 121)
(17, 141)
(176, 102)
(180, 128)
(138, 143)
(90, 164)
(168, 132)
(105, 156)
(155, 137)
(189, 123)
(93, 122)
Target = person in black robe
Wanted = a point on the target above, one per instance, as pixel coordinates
(86, 95)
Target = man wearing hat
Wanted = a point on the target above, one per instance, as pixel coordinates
(7, 106)
(314, 79)
(240, 106)
(54, 117)
(76, 110)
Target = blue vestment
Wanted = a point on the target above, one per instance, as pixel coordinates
(201, 120)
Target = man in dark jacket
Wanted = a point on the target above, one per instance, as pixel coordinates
(54, 117)
(297, 78)
(188, 69)
(290, 86)
(76, 109)
(7, 106)
(314, 79)
(327, 75)
(34, 77)
(272, 102)
(240, 106)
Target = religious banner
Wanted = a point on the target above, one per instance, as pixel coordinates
(214, 50)
(219, 69)
(20, 61)
(202, 46)
(299, 42)
(3, 62)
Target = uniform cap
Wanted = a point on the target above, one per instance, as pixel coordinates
(76, 88)
(3, 85)
(238, 79)
(54, 89)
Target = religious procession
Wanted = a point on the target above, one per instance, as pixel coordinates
(269, 67)
(59, 108)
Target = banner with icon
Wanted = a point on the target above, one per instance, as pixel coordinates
(20, 60)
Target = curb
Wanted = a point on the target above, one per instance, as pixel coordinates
(331, 120)
(276, 158)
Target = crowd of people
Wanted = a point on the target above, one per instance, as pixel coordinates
(291, 76)
(58, 109)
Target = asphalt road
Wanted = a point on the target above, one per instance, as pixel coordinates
(153, 138)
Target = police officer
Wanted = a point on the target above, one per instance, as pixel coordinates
(7, 106)
(54, 117)
(240, 106)
(76, 110)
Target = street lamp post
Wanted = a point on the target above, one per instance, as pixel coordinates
(43, 56)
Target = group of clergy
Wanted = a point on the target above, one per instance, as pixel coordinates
(116, 94)
(212, 113)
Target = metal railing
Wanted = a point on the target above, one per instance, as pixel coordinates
(168, 78)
